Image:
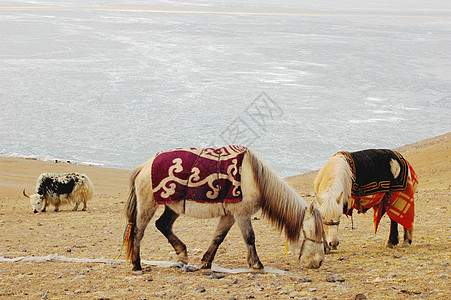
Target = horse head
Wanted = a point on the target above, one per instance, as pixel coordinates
(331, 209)
(311, 243)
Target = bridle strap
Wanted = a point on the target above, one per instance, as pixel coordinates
(332, 223)
(323, 237)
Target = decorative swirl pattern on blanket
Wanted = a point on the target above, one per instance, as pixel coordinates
(203, 175)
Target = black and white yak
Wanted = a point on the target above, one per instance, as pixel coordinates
(57, 189)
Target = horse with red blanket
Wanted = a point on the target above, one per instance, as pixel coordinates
(230, 183)
(377, 178)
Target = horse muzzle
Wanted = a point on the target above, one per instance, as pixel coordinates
(334, 245)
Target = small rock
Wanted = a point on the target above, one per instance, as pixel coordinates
(147, 269)
(68, 250)
(360, 297)
(235, 281)
(250, 297)
(207, 272)
(44, 295)
(334, 278)
(160, 294)
(188, 268)
(201, 289)
(283, 292)
(218, 275)
(302, 279)
(148, 278)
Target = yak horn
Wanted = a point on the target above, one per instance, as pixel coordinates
(25, 194)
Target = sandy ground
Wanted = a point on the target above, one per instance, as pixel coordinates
(367, 269)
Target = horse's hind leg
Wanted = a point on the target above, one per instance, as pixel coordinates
(407, 237)
(142, 220)
(247, 231)
(224, 225)
(164, 224)
(393, 239)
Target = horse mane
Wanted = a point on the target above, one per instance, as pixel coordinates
(334, 178)
(280, 203)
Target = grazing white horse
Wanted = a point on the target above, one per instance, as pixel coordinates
(261, 189)
(376, 178)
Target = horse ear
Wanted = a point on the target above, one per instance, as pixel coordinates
(339, 197)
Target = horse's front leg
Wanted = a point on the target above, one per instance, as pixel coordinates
(224, 225)
(164, 224)
(407, 237)
(245, 224)
(393, 239)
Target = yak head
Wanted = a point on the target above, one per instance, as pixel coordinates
(36, 201)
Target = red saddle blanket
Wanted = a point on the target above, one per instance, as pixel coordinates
(198, 174)
(381, 191)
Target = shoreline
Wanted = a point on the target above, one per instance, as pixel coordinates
(430, 158)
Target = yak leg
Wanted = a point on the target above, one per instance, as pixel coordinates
(407, 237)
(247, 231)
(164, 224)
(76, 206)
(393, 238)
(224, 225)
(85, 206)
(45, 205)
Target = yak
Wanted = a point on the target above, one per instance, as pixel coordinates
(57, 189)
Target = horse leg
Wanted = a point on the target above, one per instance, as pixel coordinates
(224, 225)
(393, 238)
(245, 224)
(142, 220)
(407, 237)
(164, 224)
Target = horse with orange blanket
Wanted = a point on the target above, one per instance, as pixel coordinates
(377, 178)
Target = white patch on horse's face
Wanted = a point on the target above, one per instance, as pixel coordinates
(332, 235)
(36, 202)
(331, 211)
(312, 255)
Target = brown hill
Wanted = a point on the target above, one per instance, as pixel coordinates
(430, 158)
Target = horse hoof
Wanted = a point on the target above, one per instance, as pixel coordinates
(406, 244)
(257, 266)
(390, 245)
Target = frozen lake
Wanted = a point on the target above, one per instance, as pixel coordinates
(113, 83)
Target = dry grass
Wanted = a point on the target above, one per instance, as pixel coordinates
(367, 267)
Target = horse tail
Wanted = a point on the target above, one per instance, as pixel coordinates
(131, 213)
(280, 203)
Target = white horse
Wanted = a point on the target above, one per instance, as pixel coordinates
(261, 189)
(337, 191)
